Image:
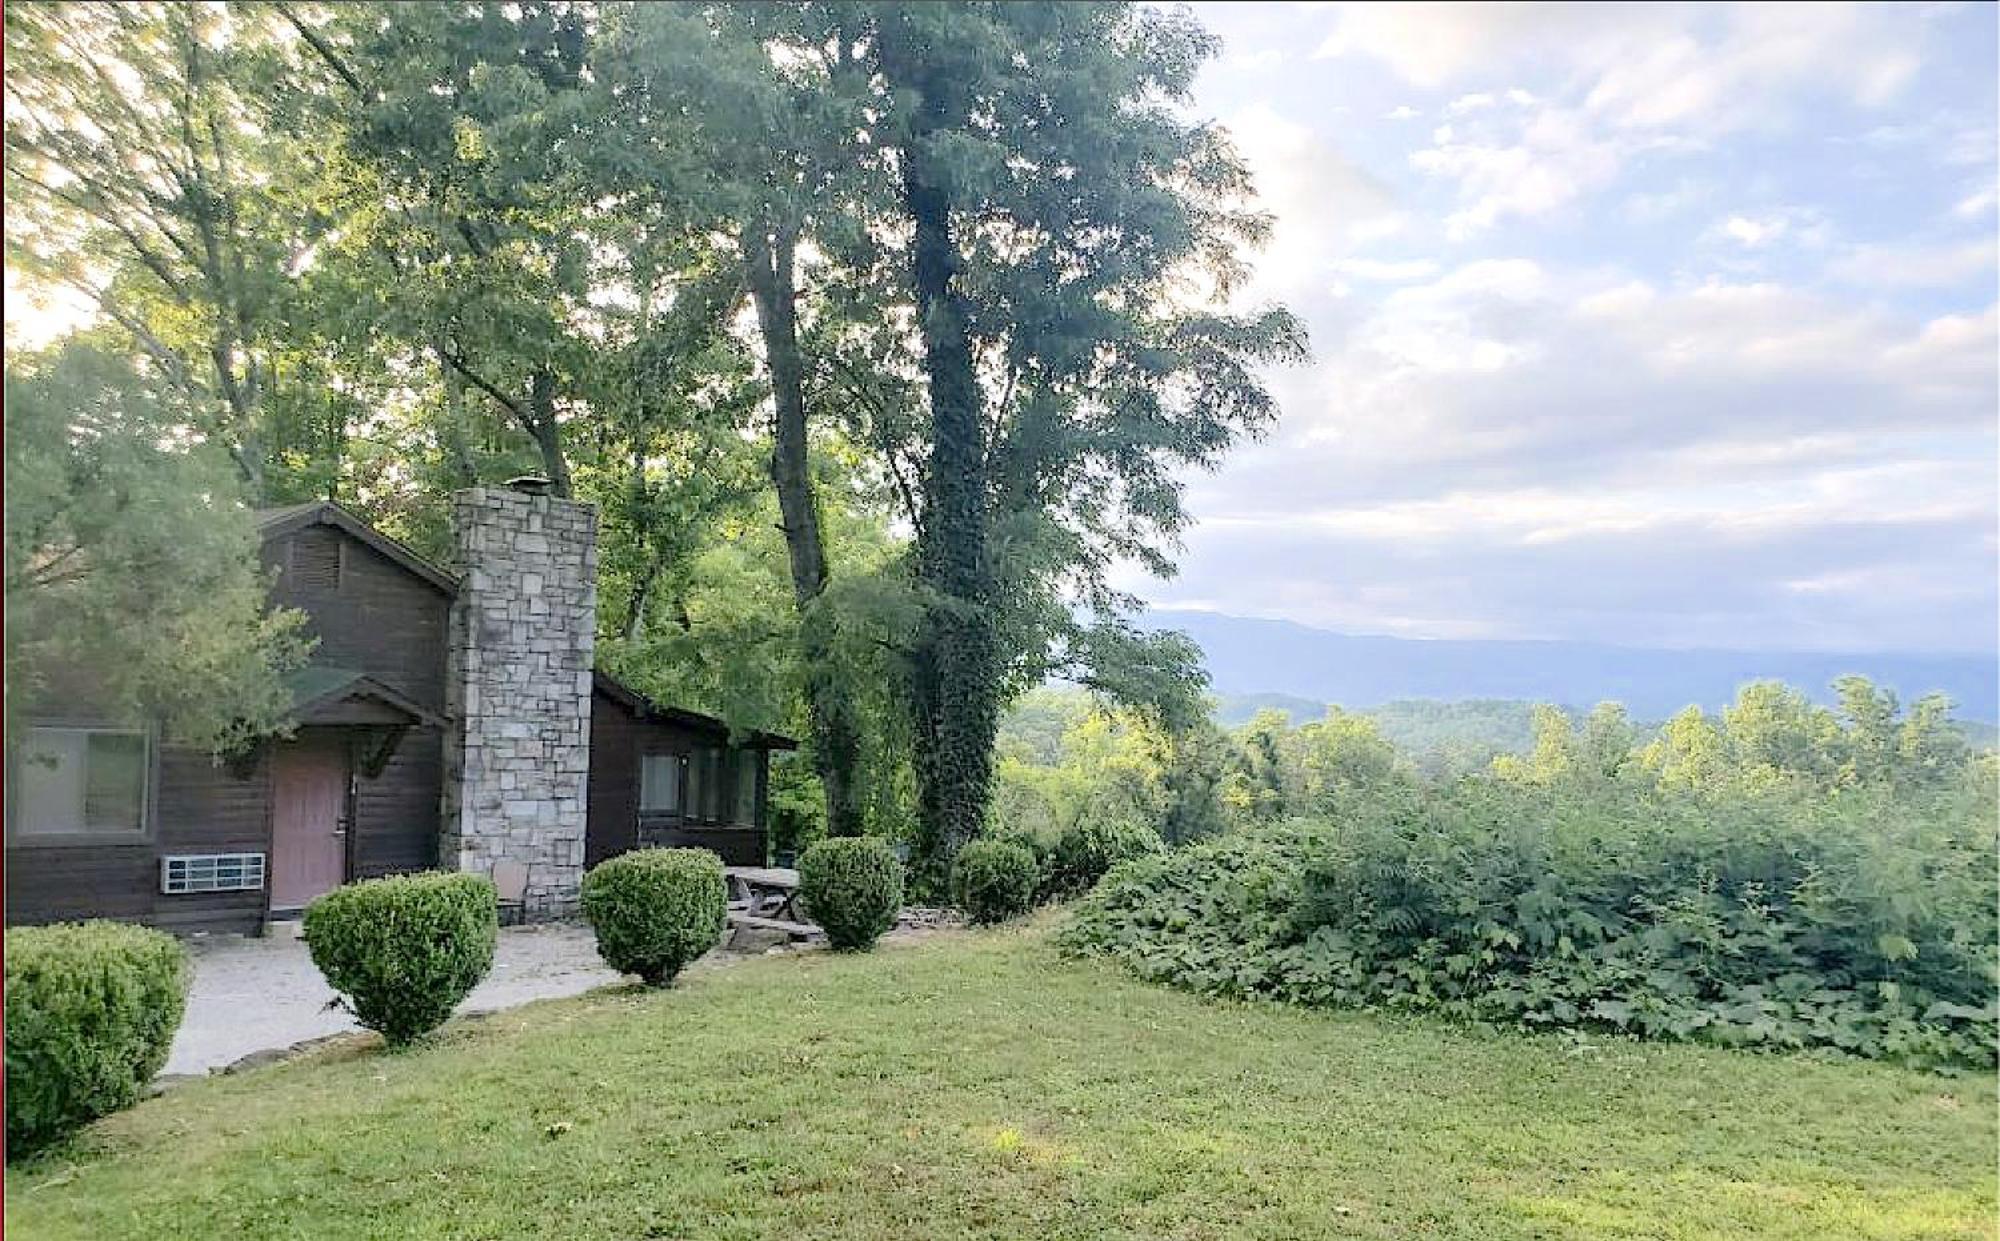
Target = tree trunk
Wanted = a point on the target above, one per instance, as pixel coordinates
(545, 430)
(836, 737)
(955, 666)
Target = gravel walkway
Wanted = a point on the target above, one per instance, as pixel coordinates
(262, 996)
(255, 995)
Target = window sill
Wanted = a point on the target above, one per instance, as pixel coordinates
(80, 840)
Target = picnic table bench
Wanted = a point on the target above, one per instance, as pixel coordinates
(765, 898)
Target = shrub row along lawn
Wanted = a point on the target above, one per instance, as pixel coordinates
(979, 1085)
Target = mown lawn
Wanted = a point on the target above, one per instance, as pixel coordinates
(979, 1086)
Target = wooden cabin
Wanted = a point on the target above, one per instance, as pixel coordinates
(109, 819)
(663, 776)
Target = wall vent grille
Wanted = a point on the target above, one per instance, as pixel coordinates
(211, 872)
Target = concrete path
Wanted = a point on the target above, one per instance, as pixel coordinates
(251, 995)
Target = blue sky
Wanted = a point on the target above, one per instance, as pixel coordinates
(1665, 325)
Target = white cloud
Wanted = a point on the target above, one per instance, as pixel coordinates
(1661, 78)
(1918, 265)
(1325, 204)
(1429, 45)
(1553, 160)
(1387, 271)
(1753, 233)
(1760, 230)
(1700, 411)
(1978, 203)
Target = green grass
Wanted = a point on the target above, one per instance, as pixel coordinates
(980, 1086)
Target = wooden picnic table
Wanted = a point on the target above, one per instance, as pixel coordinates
(766, 898)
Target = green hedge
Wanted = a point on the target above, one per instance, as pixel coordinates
(656, 910)
(404, 950)
(91, 1011)
(1859, 921)
(852, 887)
(1088, 848)
(995, 881)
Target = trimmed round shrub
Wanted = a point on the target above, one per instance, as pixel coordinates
(995, 881)
(91, 1010)
(1084, 852)
(853, 887)
(404, 950)
(656, 910)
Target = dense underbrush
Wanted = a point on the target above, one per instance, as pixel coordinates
(1860, 920)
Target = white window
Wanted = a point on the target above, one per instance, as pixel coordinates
(80, 781)
(660, 784)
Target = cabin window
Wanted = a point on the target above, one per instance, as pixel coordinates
(80, 781)
(660, 779)
(746, 786)
(705, 782)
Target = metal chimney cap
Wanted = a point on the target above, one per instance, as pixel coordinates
(530, 485)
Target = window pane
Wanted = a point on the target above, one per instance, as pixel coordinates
(705, 776)
(49, 783)
(660, 783)
(746, 786)
(73, 780)
(114, 790)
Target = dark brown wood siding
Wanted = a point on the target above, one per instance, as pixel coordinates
(613, 797)
(617, 738)
(396, 812)
(198, 807)
(369, 614)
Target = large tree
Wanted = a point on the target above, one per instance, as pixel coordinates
(1073, 244)
(153, 164)
(745, 118)
(132, 578)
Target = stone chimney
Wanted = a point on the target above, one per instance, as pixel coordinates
(523, 636)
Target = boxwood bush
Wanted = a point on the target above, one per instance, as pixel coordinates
(852, 887)
(995, 881)
(1088, 848)
(403, 951)
(91, 1011)
(656, 910)
(1861, 921)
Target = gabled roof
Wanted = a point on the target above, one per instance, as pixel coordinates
(646, 709)
(319, 685)
(275, 523)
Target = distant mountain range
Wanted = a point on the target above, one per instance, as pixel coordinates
(1282, 660)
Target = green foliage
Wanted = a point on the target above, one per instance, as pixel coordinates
(852, 887)
(995, 881)
(1089, 848)
(1860, 921)
(1066, 757)
(1074, 1096)
(1282, 771)
(132, 579)
(91, 1012)
(656, 910)
(406, 949)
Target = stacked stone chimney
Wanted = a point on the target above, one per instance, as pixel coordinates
(523, 636)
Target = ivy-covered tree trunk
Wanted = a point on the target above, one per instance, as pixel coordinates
(955, 668)
(769, 263)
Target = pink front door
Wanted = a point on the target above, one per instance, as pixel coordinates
(309, 801)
